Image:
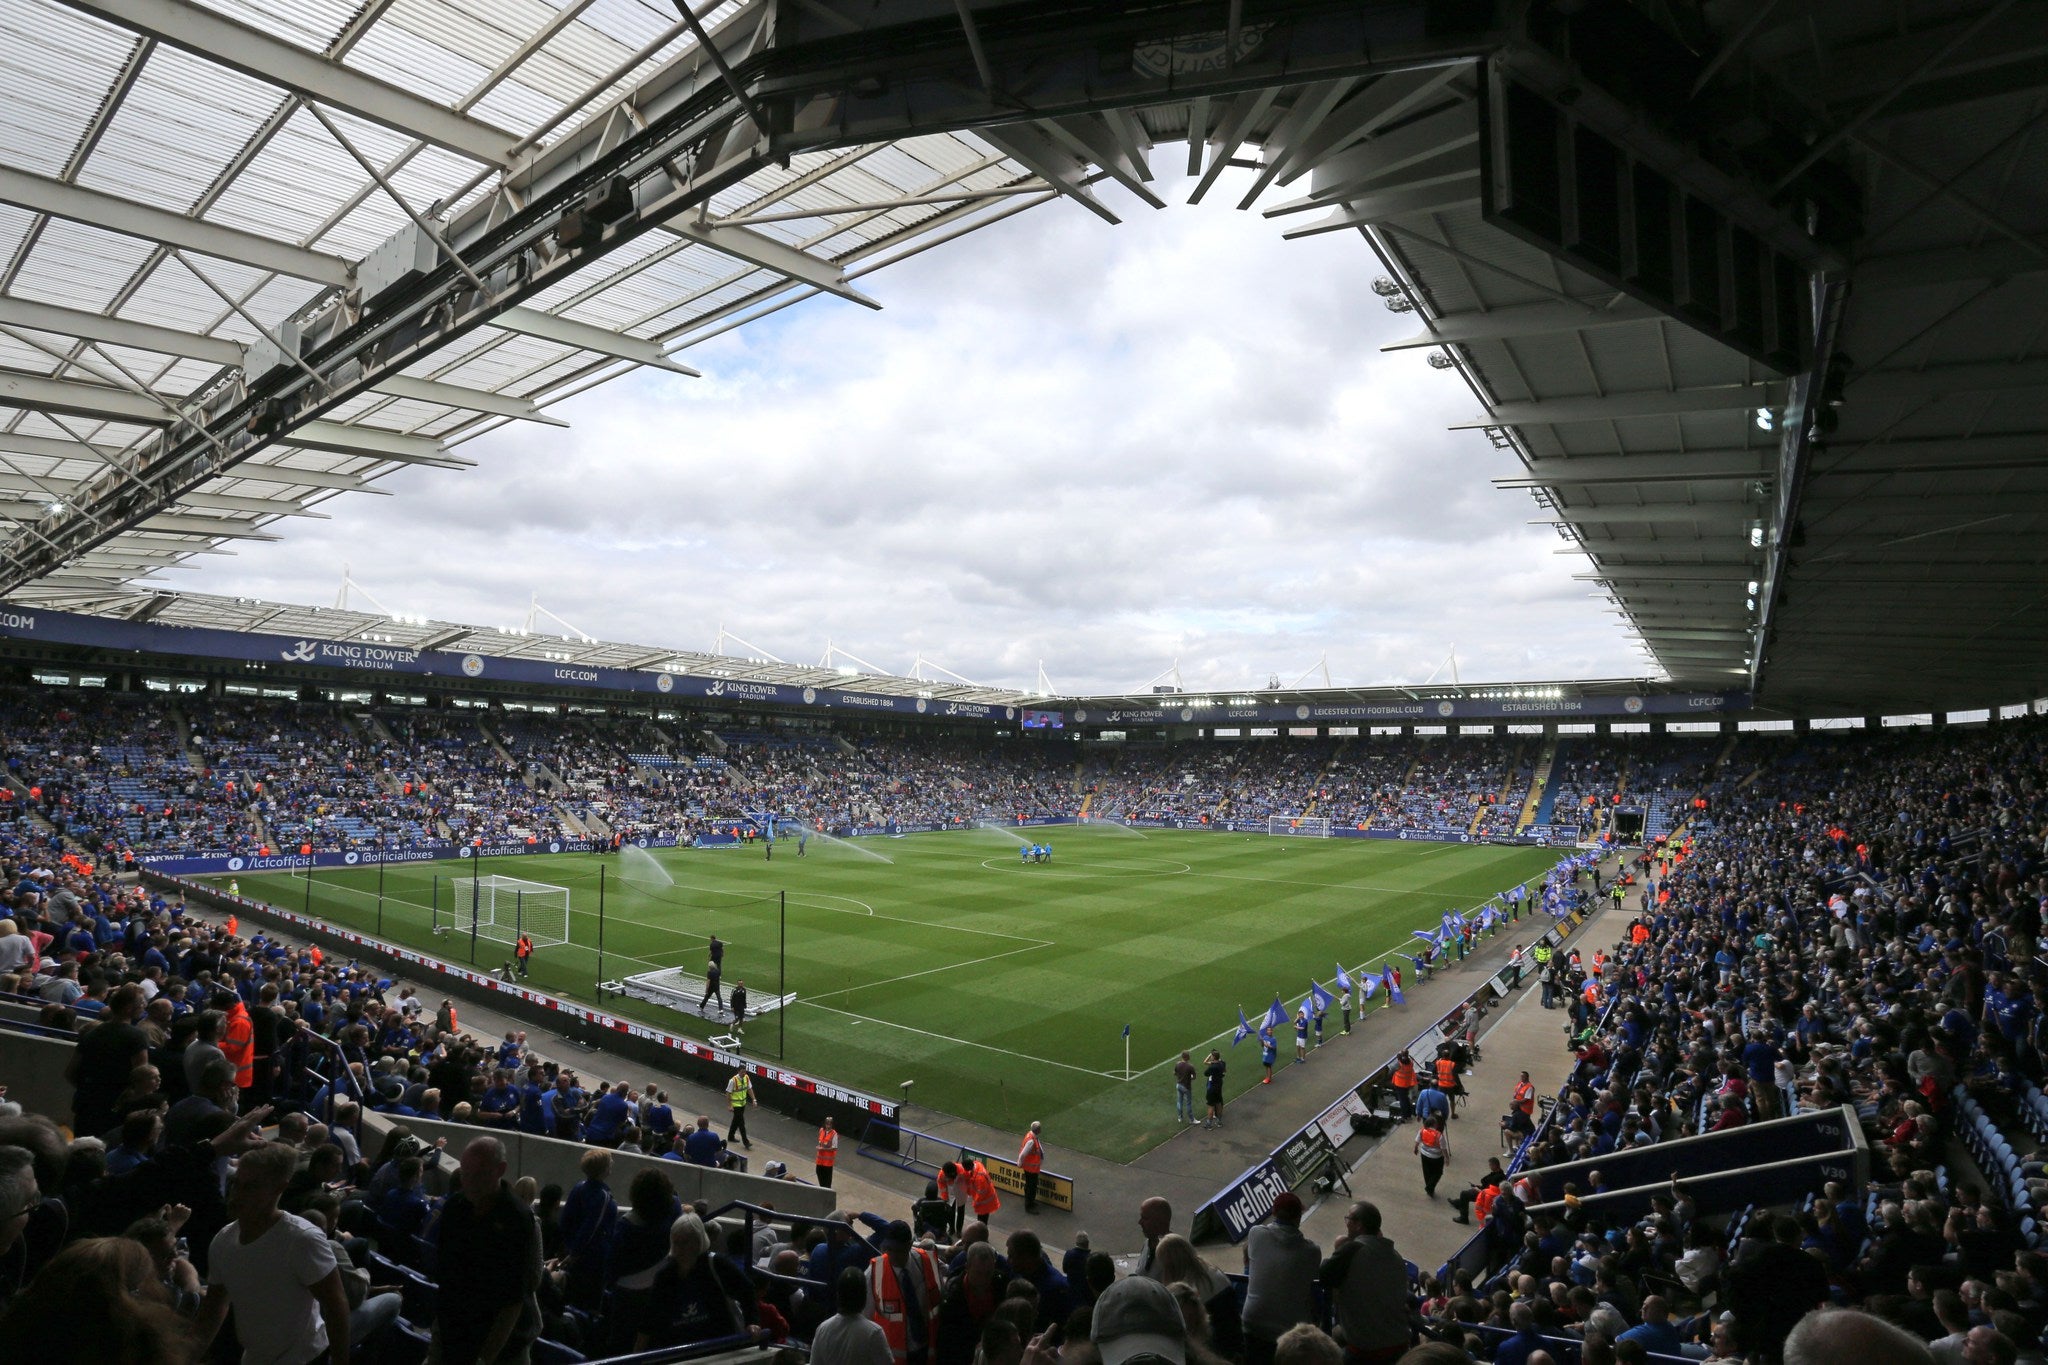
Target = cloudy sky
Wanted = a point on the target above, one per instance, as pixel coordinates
(1106, 449)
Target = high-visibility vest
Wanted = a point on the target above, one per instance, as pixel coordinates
(885, 1295)
(1482, 1203)
(982, 1190)
(1031, 1156)
(1431, 1142)
(238, 1043)
(1404, 1076)
(1543, 954)
(1446, 1073)
(736, 1088)
(828, 1146)
(1525, 1097)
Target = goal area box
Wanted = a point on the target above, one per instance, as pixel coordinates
(502, 908)
(684, 991)
(1302, 826)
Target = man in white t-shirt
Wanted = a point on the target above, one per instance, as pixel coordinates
(850, 1336)
(276, 1270)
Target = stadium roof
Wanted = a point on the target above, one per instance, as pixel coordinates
(255, 253)
(180, 185)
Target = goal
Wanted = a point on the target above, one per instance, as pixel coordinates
(502, 908)
(1305, 826)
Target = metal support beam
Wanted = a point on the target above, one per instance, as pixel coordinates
(262, 507)
(471, 400)
(585, 337)
(2002, 260)
(377, 443)
(1527, 320)
(1690, 466)
(291, 477)
(1452, 191)
(141, 336)
(1613, 406)
(40, 194)
(98, 402)
(1658, 514)
(288, 66)
(1056, 165)
(57, 448)
(1937, 381)
(179, 524)
(764, 251)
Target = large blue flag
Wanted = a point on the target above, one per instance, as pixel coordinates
(1371, 984)
(1276, 1014)
(1322, 998)
(1393, 987)
(1343, 978)
(1244, 1027)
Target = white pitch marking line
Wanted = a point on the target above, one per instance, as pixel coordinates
(960, 1042)
(929, 971)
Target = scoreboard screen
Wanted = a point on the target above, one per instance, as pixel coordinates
(1045, 720)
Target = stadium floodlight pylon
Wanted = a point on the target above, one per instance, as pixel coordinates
(502, 908)
(1304, 826)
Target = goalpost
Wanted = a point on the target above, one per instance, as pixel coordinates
(1304, 826)
(502, 908)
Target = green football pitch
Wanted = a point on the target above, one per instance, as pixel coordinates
(1001, 989)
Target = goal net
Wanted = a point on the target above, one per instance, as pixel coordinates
(502, 908)
(1307, 826)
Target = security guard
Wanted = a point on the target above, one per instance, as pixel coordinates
(828, 1153)
(740, 1091)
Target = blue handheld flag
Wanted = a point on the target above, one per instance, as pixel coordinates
(1323, 999)
(1387, 980)
(1276, 1014)
(1244, 1027)
(1343, 978)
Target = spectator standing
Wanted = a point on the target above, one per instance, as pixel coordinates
(587, 1217)
(849, 1336)
(488, 1265)
(1280, 1268)
(1184, 1090)
(104, 1059)
(1367, 1282)
(1212, 1075)
(276, 1270)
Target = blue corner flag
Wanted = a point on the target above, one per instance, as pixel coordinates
(1323, 999)
(1343, 978)
(1244, 1027)
(1127, 1030)
(1276, 1014)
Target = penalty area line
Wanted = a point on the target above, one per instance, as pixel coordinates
(959, 1042)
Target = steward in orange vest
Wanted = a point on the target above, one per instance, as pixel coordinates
(828, 1153)
(1031, 1160)
(981, 1190)
(903, 1295)
(238, 1042)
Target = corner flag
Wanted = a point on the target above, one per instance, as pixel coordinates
(1127, 1030)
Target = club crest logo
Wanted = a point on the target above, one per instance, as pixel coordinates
(664, 683)
(472, 665)
(1632, 705)
(1445, 709)
(810, 695)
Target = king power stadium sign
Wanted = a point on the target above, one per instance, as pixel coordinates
(154, 638)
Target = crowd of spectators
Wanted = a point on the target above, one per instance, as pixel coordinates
(256, 775)
(1857, 927)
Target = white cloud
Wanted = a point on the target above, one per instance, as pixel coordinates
(1106, 448)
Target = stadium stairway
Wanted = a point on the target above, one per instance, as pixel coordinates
(1523, 1036)
(1539, 786)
